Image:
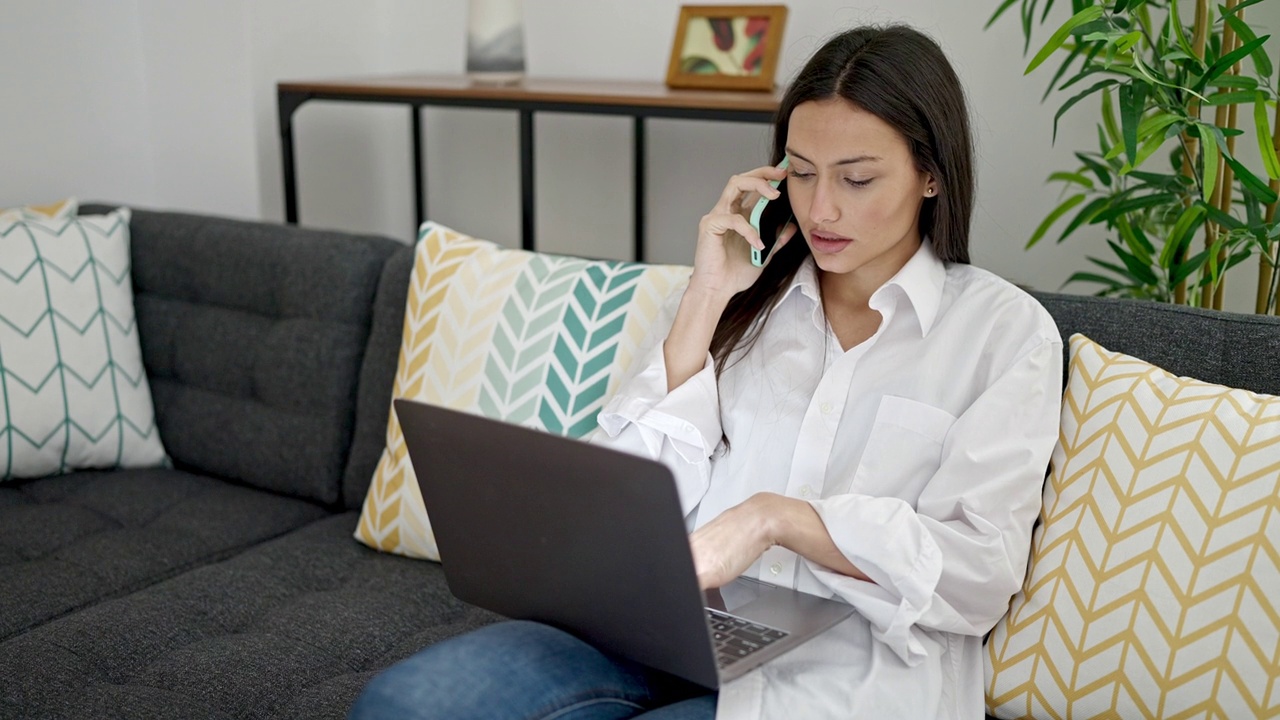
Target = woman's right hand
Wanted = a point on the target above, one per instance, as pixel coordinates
(722, 261)
(721, 269)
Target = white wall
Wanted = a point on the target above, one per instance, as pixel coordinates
(172, 105)
(74, 94)
(196, 57)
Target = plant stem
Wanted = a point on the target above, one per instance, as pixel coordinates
(1201, 28)
(1275, 272)
(1190, 144)
(1267, 259)
(1143, 18)
(1212, 294)
(1189, 151)
(1228, 182)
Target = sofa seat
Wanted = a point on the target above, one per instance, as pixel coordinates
(70, 541)
(293, 628)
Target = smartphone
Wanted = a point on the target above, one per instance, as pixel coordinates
(770, 216)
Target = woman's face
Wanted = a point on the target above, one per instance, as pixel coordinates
(855, 190)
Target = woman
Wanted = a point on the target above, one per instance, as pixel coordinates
(867, 417)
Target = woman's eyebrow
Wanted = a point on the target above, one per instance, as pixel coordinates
(846, 161)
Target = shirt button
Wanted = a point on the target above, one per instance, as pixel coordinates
(775, 568)
(805, 491)
(825, 408)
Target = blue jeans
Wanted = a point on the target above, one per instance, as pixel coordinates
(523, 670)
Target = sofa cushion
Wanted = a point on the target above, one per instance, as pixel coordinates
(291, 629)
(1151, 589)
(253, 336)
(69, 541)
(528, 338)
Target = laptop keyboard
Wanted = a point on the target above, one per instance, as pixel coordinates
(736, 638)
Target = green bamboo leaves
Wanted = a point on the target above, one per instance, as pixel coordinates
(1244, 32)
(1057, 213)
(1265, 143)
(1087, 15)
(1209, 151)
(1166, 171)
(1224, 63)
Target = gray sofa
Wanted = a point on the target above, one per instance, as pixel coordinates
(230, 585)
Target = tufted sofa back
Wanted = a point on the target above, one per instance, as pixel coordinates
(1233, 349)
(254, 336)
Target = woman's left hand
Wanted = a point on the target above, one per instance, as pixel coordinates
(724, 548)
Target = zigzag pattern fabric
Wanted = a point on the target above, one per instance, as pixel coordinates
(1154, 584)
(73, 391)
(532, 339)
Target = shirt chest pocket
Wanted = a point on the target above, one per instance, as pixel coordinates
(904, 449)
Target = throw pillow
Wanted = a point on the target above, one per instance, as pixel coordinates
(73, 392)
(529, 338)
(1151, 590)
(61, 210)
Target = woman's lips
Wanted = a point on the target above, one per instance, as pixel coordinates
(825, 243)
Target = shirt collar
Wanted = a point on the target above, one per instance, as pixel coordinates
(805, 282)
(920, 280)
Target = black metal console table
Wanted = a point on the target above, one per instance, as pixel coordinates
(639, 100)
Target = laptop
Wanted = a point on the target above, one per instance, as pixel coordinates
(536, 526)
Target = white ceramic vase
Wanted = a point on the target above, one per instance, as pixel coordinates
(495, 40)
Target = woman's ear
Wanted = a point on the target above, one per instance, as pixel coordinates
(930, 185)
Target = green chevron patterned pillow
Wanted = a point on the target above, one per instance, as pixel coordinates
(533, 339)
(73, 392)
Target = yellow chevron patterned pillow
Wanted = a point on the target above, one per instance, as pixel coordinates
(1154, 584)
(533, 339)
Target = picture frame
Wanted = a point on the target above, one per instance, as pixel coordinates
(727, 47)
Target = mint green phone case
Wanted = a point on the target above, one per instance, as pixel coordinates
(757, 257)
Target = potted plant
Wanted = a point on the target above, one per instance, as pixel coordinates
(1178, 85)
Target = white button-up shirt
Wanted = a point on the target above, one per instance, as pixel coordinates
(922, 449)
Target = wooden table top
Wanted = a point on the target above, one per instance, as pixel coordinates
(548, 90)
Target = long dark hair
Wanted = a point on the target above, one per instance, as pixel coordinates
(902, 77)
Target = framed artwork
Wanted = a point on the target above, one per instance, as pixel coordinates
(728, 47)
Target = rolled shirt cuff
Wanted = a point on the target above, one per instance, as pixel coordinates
(883, 538)
(687, 416)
